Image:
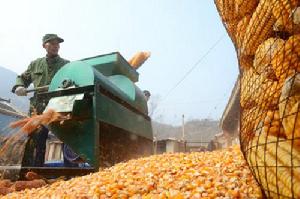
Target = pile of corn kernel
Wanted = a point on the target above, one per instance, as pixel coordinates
(218, 174)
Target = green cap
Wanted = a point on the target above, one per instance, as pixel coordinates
(49, 37)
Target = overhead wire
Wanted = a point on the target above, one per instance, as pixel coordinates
(195, 102)
(193, 67)
(215, 107)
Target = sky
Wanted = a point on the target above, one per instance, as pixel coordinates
(193, 64)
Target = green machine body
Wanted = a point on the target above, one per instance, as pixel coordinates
(109, 120)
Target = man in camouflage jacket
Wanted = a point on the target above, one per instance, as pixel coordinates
(40, 72)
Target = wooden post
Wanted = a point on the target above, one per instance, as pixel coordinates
(183, 133)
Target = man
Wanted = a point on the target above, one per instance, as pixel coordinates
(147, 95)
(211, 146)
(40, 72)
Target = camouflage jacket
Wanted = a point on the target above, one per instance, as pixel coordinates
(40, 72)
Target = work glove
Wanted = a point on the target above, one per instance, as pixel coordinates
(21, 91)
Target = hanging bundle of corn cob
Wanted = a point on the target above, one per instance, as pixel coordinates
(232, 11)
(267, 41)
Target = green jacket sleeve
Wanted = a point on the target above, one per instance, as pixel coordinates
(24, 79)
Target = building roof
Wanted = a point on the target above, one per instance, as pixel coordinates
(7, 109)
(231, 115)
(170, 139)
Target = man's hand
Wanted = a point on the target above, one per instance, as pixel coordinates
(21, 91)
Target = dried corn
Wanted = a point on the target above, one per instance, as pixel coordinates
(259, 28)
(227, 10)
(268, 94)
(245, 61)
(266, 52)
(271, 124)
(269, 104)
(250, 83)
(286, 61)
(138, 59)
(241, 29)
(289, 108)
(28, 125)
(231, 28)
(252, 119)
(282, 10)
(271, 159)
(221, 173)
(234, 10)
(243, 7)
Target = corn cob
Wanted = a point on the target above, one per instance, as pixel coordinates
(286, 61)
(291, 124)
(296, 20)
(233, 10)
(231, 30)
(264, 177)
(293, 43)
(243, 7)
(250, 83)
(268, 94)
(268, 73)
(245, 61)
(282, 11)
(252, 120)
(259, 28)
(266, 52)
(226, 10)
(289, 153)
(272, 124)
(237, 27)
(247, 128)
(227, 13)
(257, 90)
(289, 108)
(29, 125)
(267, 177)
(265, 150)
(138, 59)
(241, 29)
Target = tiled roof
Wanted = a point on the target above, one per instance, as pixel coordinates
(6, 106)
(8, 109)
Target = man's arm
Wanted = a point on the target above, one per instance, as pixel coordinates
(24, 79)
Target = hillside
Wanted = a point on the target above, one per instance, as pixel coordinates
(195, 130)
(8, 79)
